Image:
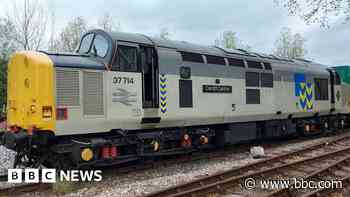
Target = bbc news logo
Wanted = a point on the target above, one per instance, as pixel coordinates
(51, 176)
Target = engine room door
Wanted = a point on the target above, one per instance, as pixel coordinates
(150, 78)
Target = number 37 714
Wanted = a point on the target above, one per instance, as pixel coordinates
(123, 80)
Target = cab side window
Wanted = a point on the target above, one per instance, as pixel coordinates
(126, 59)
(100, 46)
(86, 43)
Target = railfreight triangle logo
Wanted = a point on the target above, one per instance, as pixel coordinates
(51, 175)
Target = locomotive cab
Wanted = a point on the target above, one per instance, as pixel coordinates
(105, 85)
(127, 57)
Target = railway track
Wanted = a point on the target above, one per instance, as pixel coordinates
(115, 171)
(338, 170)
(18, 189)
(21, 188)
(24, 189)
(307, 163)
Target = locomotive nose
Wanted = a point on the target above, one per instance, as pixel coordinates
(30, 101)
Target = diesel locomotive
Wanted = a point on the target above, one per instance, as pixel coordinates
(123, 97)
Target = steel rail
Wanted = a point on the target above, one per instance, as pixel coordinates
(24, 189)
(288, 191)
(215, 182)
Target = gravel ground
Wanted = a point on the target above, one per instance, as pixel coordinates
(140, 183)
(7, 158)
(143, 182)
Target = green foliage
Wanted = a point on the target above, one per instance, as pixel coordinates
(229, 39)
(3, 85)
(290, 45)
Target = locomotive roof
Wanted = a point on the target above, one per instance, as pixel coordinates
(213, 50)
(190, 47)
(180, 45)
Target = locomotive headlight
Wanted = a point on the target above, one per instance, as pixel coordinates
(32, 108)
(47, 112)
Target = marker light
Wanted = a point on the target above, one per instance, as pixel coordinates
(113, 152)
(62, 114)
(105, 152)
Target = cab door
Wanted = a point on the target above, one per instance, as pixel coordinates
(148, 63)
(150, 75)
(125, 86)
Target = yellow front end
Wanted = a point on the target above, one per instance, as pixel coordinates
(30, 98)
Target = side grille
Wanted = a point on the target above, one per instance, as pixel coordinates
(67, 88)
(93, 93)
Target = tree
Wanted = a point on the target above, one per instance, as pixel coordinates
(229, 39)
(71, 34)
(107, 23)
(53, 44)
(318, 11)
(164, 33)
(7, 38)
(29, 21)
(290, 45)
(7, 47)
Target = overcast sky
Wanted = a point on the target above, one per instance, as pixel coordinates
(257, 22)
